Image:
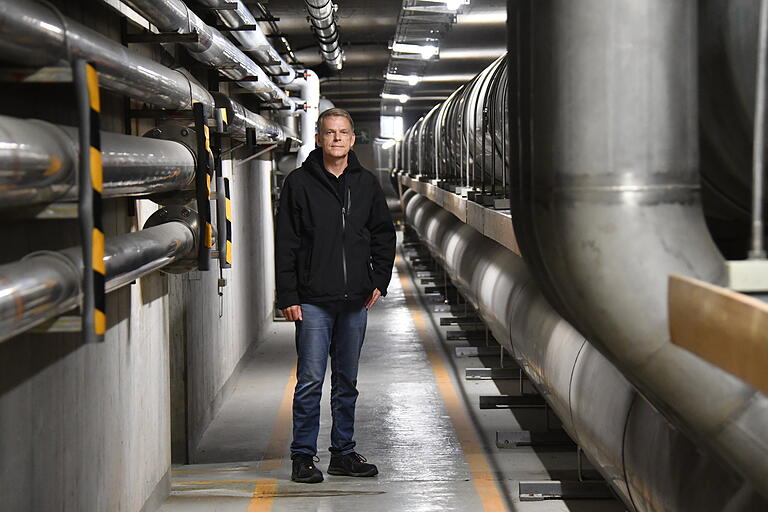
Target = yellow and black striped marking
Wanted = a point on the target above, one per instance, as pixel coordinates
(97, 185)
(228, 255)
(208, 177)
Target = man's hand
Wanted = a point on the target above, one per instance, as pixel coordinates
(292, 313)
(372, 298)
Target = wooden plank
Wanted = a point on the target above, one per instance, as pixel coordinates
(726, 328)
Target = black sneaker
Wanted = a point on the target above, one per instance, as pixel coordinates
(351, 464)
(304, 469)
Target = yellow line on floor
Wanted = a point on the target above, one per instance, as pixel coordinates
(263, 496)
(203, 482)
(281, 429)
(232, 470)
(474, 453)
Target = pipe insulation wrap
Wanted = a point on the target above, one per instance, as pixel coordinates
(31, 34)
(212, 47)
(253, 41)
(46, 284)
(38, 159)
(321, 17)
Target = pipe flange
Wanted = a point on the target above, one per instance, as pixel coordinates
(185, 136)
(188, 217)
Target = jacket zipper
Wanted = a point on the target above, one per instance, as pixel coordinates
(344, 209)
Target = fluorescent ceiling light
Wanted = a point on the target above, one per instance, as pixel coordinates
(455, 4)
(402, 98)
(472, 53)
(411, 79)
(482, 18)
(448, 78)
(426, 51)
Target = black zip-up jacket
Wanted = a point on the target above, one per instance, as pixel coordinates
(330, 247)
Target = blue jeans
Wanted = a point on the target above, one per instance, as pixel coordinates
(337, 330)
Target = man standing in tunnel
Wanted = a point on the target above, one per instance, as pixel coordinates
(334, 251)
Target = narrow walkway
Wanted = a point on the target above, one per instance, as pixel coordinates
(412, 421)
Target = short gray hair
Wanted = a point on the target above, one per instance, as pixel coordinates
(334, 112)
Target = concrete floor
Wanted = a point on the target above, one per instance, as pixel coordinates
(416, 420)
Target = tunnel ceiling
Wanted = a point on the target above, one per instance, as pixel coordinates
(367, 28)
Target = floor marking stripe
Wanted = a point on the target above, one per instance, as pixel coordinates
(263, 496)
(204, 482)
(482, 476)
(281, 429)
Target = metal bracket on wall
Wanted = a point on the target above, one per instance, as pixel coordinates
(515, 438)
(160, 38)
(538, 490)
(511, 401)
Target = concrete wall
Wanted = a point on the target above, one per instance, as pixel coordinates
(215, 345)
(88, 428)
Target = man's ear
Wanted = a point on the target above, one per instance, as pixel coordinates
(353, 141)
(318, 142)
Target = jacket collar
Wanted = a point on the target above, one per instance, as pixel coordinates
(314, 164)
(314, 161)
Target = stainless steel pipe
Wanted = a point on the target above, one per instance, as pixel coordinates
(604, 215)
(254, 41)
(46, 284)
(32, 34)
(212, 48)
(321, 17)
(38, 162)
(651, 465)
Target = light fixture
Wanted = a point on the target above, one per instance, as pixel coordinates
(426, 51)
(411, 79)
(402, 98)
(453, 5)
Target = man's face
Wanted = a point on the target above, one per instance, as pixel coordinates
(336, 136)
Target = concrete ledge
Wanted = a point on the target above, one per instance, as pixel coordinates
(494, 224)
(158, 494)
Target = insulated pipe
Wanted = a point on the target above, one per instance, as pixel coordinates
(46, 284)
(38, 160)
(32, 34)
(212, 48)
(253, 41)
(604, 215)
(651, 465)
(321, 14)
(308, 85)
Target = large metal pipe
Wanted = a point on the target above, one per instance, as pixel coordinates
(38, 160)
(33, 34)
(651, 465)
(46, 284)
(321, 17)
(604, 215)
(211, 48)
(253, 41)
(308, 85)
